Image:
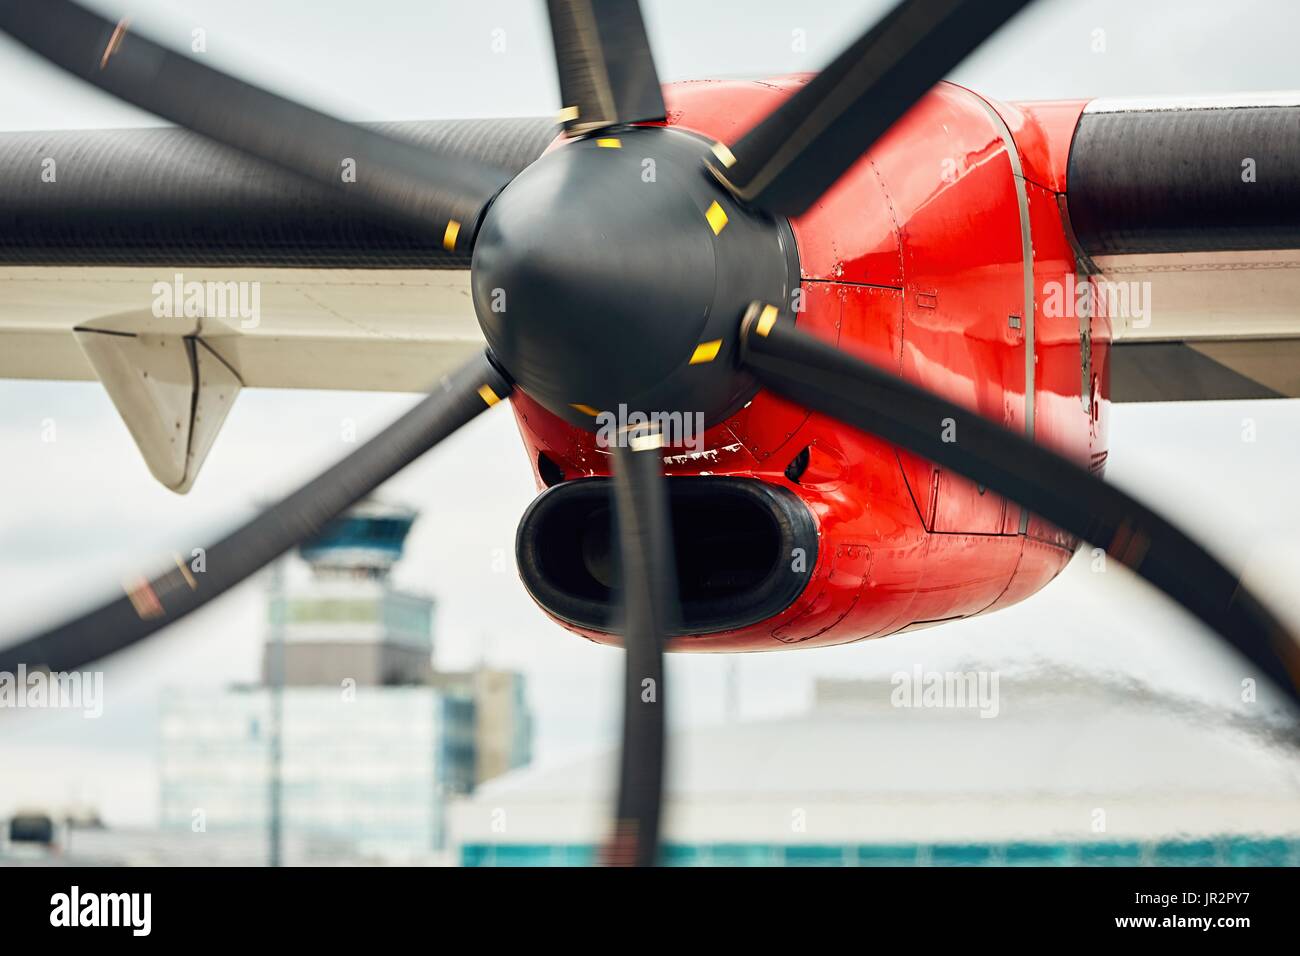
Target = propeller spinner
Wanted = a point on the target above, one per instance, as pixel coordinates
(614, 271)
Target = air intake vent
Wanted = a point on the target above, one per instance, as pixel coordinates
(735, 540)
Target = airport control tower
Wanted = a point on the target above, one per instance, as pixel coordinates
(352, 744)
(348, 622)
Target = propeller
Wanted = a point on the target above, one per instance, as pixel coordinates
(797, 152)
(568, 277)
(820, 377)
(164, 598)
(650, 610)
(416, 187)
(607, 75)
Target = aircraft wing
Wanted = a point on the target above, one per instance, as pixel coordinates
(177, 271)
(1188, 212)
(132, 231)
(362, 329)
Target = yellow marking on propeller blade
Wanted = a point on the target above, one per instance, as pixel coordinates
(717, 218)
(766, 319)
(185, 572)
(610, 143)
(725, 156)
(567, 115)
(706, 352)
(114, 41)
(485, 392)
(585, 409)
(449, 237)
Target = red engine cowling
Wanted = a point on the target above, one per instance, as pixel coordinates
(931, 258)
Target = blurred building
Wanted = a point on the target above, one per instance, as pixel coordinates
(1064, 770)
(349, 621)
(367, 776)
(366, 740)
(503, 725)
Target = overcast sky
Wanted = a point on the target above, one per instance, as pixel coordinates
(78, 512)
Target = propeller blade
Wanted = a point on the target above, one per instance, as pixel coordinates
(419, 189)
(797, 152)
(607, 75)
(650, 611)
(153, 603)
(821, 377)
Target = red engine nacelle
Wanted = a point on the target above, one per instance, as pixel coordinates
(931, 257)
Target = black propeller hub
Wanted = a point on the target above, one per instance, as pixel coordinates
(613, 272)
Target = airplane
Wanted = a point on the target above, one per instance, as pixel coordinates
(869, 323)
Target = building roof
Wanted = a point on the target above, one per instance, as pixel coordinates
(1060, 746)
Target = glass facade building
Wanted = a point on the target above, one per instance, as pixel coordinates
(373, 742)
(365, 772)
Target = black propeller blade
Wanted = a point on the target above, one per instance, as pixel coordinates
(421, 190)
(153, 603)
(650, 612)
(825, 379)
(607, 75)
(797, 152)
